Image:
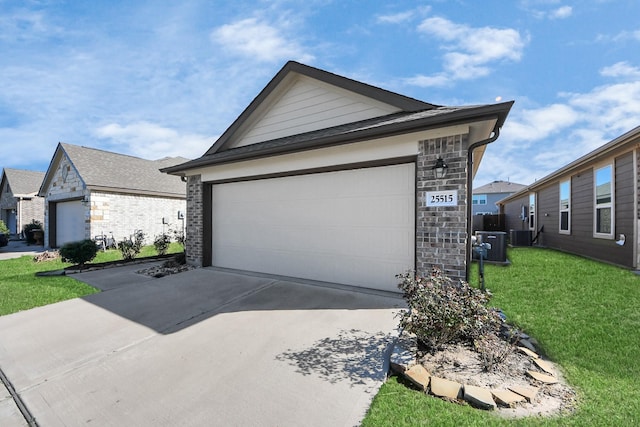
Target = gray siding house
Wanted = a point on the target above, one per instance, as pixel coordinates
(486, 197)
(329, 179)
(19, 200)
(91, 192)
(589, 207)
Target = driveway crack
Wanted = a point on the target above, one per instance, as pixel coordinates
(22, 407)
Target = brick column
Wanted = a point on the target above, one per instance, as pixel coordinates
(441, 232)
(193, 236)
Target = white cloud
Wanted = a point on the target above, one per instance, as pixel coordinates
(621, 69)
(152, 141)
(396, 18)
(259, 40)
(402, 17)
(561, 13)
(537, 124)
(470, 51)
(567, 130)
(619, 37)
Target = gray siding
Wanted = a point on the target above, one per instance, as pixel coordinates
(581, 241)
(513, 211)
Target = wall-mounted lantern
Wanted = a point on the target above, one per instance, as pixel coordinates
(440, 169)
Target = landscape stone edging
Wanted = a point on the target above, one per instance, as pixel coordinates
(403, 362)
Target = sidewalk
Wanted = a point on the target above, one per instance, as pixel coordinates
(18, 248)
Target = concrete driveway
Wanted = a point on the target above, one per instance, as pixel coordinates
(203, 347)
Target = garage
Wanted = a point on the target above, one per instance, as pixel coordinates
(353, 227)
(70, 222)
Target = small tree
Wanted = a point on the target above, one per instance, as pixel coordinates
(79, 252)
(130, 248)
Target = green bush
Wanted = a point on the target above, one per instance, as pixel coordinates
(161, 243)
(442, 311)
(130, 248)
(3, 228)
(79, 252)
(33, 225)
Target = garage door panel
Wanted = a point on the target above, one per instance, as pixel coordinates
(354, 227)
(70, 222)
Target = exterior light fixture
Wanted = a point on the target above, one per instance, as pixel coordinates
(440, 169)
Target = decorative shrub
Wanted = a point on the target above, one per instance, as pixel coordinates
(130, 248)
(33, 225)
(3, 228)
(79, 252)
(443, 311)
(178, 236)
(161, 243)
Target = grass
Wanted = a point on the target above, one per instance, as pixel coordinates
(21, 289)
(586, 317)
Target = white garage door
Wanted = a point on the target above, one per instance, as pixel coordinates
(353, 227)
(69, 222)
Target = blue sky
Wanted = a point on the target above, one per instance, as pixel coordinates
(155, 79)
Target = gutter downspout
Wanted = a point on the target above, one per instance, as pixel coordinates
(496, 134)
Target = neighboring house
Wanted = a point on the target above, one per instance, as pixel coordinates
(92, 192)
(325, 178)
(589, 207)
(19, 200)
(485, 197)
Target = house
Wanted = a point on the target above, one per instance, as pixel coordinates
(589, 207)
(326, 178)
(19, 200)
(486, 196)
(90, 192)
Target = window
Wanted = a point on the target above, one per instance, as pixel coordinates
(603, 194)
(479, 199)
(532, 211)
(565, 207)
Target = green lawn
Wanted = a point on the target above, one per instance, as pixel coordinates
(586, 316)
(21, 289)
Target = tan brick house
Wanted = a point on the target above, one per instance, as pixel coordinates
(19, 200)
(90, 192)
(330, 179)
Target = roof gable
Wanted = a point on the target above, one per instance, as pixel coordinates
(499, 187)
(22, 182)
(100, 169)
(301, 99)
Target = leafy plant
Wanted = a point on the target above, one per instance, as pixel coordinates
(79, 252)
(178, 236)
(33, 225)
(3, 227)
(442, 311)
(494, 351)
(130, 248)
(161, 243)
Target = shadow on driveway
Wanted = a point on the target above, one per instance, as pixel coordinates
(172, 303)
(202, 347)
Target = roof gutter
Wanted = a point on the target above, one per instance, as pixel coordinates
(496, 134)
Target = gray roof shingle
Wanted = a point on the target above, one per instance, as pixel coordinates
(104, 169)
(23, 182)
